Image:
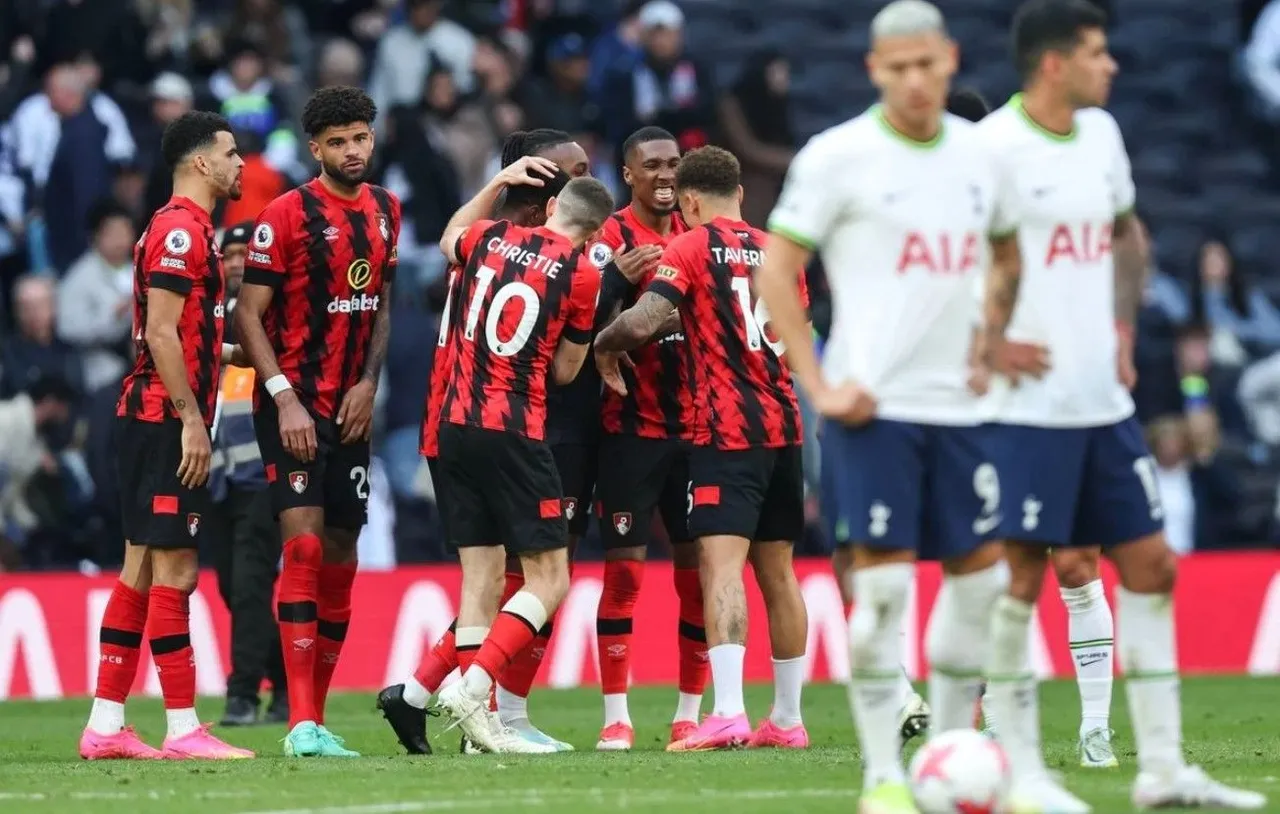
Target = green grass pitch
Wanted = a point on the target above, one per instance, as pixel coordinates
(1232, 728)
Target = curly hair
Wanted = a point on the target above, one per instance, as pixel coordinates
(531, 142)
(712, 170)
(336, 106)
(189, 132)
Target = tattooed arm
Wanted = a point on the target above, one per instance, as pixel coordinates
(636, 325)
(1003, 281)
(379, 340)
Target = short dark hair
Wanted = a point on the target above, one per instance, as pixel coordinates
(585, 203)
(967, 103)
(643, 136)
(51, 386)
(1040, 26)
(523, 195)
(189, 132)
(531, 142)
(336, 106)
(713, 170)
(104, 210)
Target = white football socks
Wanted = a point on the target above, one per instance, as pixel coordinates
(688, 706)
(1149, 659)
(1011, 688)
(615, 709)
(1092, 635)
(956, 642)
(181, 721)
(726, 677)
(874, 653)
(788, 679)
(106, 717)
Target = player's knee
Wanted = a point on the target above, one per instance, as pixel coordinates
(1147, 566)
(877, 614)
(1026, 571)
(175, 569)
(1075, 567)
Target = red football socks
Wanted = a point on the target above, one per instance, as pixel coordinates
(333, 612)
(296, 610)
(510, 634)
(439, 661)
(622, 580)
(119, 640)
(168, 617)
(520, 674)
(693, 634)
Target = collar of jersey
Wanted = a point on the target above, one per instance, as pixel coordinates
(191, 206)
(878, 112)
(1015, 102)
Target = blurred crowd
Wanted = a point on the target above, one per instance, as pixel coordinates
(86, 87)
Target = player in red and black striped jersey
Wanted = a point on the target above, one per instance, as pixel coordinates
(644, 447)
(314, 318)
(526, 311)
(165, 410)
(404, 705)
(746, 487)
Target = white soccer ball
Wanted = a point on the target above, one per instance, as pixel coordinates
(960, 772)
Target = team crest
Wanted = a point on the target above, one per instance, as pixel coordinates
(298, 481)
(600, 255)
(178, 241)
(382, 227)
(193, 524)
(570, 507)
(622, 522)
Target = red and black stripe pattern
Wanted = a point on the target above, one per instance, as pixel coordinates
(742, 386)
(329, 260)
(658, 403)
(522, 289)
(441, 364)
(177, 253)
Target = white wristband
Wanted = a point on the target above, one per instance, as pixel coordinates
(276, 385)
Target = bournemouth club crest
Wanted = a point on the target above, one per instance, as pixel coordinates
(570, 507)
(193, 524)
(298, 481)
(622, 522)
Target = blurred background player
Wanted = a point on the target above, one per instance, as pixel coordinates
(1071, 457)
(501, 487)
(644, 450)
(905, 195)
(165, 410)
(746, 484)
(318, 341)
(404, 705)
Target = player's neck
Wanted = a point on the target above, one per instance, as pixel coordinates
(924, 132)
(1048, 113)
(727, 210)
(340, 190)
(656, 221)
(196, 191)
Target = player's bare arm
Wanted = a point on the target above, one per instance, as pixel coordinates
(355, 414)
(636, 325)
(1004, 278)
(164, 308)
(776, 282)
(297, 427)
(568, 360)
(528, 171)
(1129, 251)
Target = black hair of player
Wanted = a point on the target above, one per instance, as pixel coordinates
(190, 132)
(337, 106)
(524, 195)
(531, 142)
(709, 170)
(967, 103)
(1041, 26)
(643, 136)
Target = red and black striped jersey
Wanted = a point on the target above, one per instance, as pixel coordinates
(441, 364)
(177, 253)
(659, 403)
(742, 386)
(521, 291)
(330, 261)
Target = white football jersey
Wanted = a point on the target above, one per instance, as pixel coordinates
(902, 228)
(1069, 190)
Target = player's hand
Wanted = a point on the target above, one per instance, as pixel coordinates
(849, 404)
(196, 452)
(610, 367)
(355, 414)
(297, 429)
(1016, 359)
(1126, 371)
(531, 171)
(638, 262)
(979, 380)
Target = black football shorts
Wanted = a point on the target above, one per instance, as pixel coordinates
(576, 464)
(156, 509)
(753, 493)
(638, 475)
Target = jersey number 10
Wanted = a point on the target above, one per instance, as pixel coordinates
(516, 290)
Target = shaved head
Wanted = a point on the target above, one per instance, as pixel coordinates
(906, 18)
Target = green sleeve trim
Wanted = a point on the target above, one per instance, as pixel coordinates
(1002, 235)
(794, 236)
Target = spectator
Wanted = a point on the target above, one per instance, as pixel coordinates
(277, 31)
(108, 32)
(1243, 320)
(1198, 495)
(665, 87)
(341, 63)
(66, 144)
(1261, 62)
(35, 353)
(407, 53)
(171, 96)
(23, 453)
(561, 101)
(168, 24)
(250, 101)
(755, 119)
(618, 49)
(95, 299)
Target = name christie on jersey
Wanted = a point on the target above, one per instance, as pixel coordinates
(524, 257)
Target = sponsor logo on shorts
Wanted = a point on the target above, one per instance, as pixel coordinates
(193, 524)
(622, 522)
(570, 507)
(298, 481)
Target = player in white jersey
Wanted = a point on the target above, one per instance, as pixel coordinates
(1072, 462)
(900, 201)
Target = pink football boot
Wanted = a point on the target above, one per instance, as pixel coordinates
(715, 732)
(124, 745)
(771, 736)
(200, 745)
